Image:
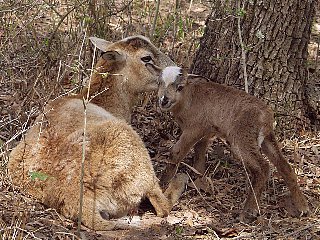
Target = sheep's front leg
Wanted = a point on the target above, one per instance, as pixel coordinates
(159, 201)
(179, 151)
(163, 202)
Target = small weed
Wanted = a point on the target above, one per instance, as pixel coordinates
(179, 230)
(38, 175)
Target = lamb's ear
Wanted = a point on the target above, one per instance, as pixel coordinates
(193, 78)
(99, 43)
(113, 56)
(153, 69)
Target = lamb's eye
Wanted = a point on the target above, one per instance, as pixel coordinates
(179, 88)
(146, 59)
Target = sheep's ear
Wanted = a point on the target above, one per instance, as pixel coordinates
(153, 69)
(113, 56)
(99, 43)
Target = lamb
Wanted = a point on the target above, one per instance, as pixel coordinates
(205, 109)
(118, 170)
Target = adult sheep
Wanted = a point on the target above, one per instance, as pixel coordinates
(118, 172)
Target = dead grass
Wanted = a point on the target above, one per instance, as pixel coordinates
(40, 59)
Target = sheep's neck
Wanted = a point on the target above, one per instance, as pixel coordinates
(110, 94)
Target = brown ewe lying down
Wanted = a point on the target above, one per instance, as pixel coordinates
(118, 171)
(205, 109)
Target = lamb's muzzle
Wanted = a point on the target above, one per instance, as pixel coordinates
(164, 102)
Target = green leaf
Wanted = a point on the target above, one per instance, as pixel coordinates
(260, 35)
(39, 175)
(241, 12)
(46, 42)
(179, 230)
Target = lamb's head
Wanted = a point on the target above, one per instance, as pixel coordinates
(171, 83)
(128, 58)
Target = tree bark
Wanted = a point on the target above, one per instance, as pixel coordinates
(275, 37)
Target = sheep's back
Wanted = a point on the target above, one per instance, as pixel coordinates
(118, 170)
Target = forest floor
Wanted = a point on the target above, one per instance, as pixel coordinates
(210, 206)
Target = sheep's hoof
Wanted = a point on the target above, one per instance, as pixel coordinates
(104, 214)
(162, 212)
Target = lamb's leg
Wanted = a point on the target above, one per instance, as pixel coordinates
(163, 202)
(249, 154)
(271, 149)
(179, 151)
(176, 188)
(200, 155)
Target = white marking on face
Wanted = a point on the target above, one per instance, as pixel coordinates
(260, 138)
(170, 74)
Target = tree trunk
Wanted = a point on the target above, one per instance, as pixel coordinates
(275, 36)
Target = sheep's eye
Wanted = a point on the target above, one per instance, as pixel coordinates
(146, 59)
(179, 88)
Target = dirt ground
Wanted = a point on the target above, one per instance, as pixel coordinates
(207, 210)
(210, 206)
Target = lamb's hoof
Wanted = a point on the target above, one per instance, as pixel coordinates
(298, 208)
(302, 208)
(181, 178)
(301, 211)
(248, 216)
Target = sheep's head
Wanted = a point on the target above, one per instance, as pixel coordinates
(128, 58)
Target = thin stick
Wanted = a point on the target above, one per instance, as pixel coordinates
(190, 6)
(299, 230)
(192, 168)
(155, 20)
(85, 103)
(200, 192)
(247, 174)
(176, 6)
(243, 55)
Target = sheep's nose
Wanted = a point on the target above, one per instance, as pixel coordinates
(164, 101)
